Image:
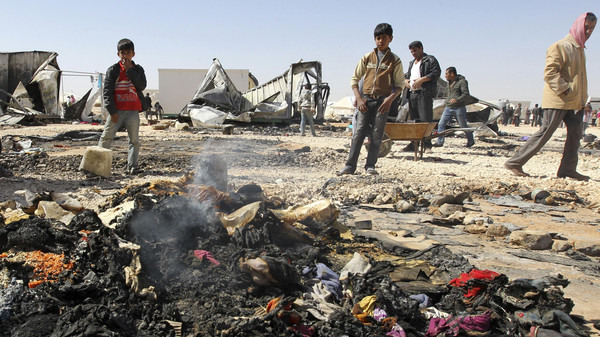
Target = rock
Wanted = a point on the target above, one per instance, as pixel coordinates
(478, 219)
(97, 160)
(440, 200)
(68, 203)
(449, 209)
(496, 230)
(475, 229)
(52, 210)
(536, 240)
(404, 206)
(458, 216)
(561, 246)
(587, 247)
(8, 204)
(181, 126)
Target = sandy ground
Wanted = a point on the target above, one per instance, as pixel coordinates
(277, 159)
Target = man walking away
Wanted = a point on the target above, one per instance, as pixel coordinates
(563, 100)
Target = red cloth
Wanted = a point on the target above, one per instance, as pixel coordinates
(126, 97)
(201, 254)
(473, 274)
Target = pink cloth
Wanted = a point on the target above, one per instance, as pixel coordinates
(578, 30)
(201, 254)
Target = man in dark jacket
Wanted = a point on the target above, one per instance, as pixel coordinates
(458, 98)
(421, 81)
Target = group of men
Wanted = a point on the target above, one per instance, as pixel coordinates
(564, 97)
(383, 80)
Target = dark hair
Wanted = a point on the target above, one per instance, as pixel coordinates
(451, 70)
(125, 44)
(383, 28)
(415, 44)
(590, 17)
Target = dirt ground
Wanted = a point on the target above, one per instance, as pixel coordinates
(302, 169)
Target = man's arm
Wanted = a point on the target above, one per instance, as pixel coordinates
(554, 63)
(359, 72)
(464, 92)
(109, 91)
(137, 76)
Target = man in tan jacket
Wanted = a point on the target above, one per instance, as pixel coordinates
(564, 97)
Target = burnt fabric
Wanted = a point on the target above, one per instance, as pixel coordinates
(452, 326)
(476, 274)
(328, 277)
(201, 254)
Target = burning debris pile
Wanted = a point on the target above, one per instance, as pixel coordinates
(190, 260)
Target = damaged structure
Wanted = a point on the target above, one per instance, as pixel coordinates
(29, 83)
(217, 99)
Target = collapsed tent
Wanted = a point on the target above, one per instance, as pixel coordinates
(217, 99)
(32, 79)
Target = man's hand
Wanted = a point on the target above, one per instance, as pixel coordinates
(453, 101)
(127, 64)
(417, 84)
(385, 106)
(361, 104)
(114, 118)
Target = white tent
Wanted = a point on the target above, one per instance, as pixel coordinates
(344, 108)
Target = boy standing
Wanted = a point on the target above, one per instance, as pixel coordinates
(383, 82)
(123, 98)
(306, 110)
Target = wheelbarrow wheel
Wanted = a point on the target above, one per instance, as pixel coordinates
(385, 148)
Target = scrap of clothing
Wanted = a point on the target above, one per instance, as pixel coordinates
(474, 274)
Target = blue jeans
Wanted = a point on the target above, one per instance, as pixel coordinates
(131, 120)
(307, 114)
(367, 123)
(461, 117)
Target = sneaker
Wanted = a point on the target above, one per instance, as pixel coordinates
(436, 144)
(135, 170)
(345, 170)
(574, 175)
(372, 171)
(516, 170)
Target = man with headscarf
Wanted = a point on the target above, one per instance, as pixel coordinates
(563, 100)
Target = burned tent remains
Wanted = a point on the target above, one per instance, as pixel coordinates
(190, 260)
(217, 99)
(32, 78)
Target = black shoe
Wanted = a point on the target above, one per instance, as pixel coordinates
(372, 171)
(345, 170)
(574, 175)
(409, 148)
(5, 173)
(436, 144)
(470, 144)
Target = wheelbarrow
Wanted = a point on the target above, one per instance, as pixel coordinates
(414, 132)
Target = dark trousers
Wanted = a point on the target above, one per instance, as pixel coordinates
(551, 119)
(367, 123)
(420, 104)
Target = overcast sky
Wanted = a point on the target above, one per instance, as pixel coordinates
(499, 46)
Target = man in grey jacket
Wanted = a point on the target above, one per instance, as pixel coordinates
(456, 102)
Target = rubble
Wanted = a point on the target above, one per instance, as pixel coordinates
(147, 278)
